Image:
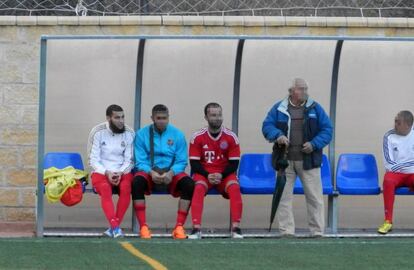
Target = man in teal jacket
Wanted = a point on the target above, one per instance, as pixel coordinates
(160, 160)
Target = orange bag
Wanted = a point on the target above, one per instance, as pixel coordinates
(73, 195)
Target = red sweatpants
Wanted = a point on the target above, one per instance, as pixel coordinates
(392, 181)
(104, 189)
(233, 193)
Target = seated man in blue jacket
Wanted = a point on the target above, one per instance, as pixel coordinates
(160, 160)
(301, 125)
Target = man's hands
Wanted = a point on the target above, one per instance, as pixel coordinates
(167, 177)
(283, 140)
(215, 178)
(307, 148)
(156, 177)
(164, 178)
(113, 177)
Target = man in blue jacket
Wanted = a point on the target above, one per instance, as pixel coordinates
(160, 160)
(301, 125)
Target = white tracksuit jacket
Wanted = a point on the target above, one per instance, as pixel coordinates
(399, 152)
(110, 151)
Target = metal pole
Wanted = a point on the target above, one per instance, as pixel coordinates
(41, 140)
(137, 113)
(236, 87)
(333, 199)
(236, 96)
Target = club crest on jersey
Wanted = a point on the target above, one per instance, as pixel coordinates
(170, 142)
(224, 145)
(123, 144)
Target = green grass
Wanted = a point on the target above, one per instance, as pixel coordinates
(73, 253)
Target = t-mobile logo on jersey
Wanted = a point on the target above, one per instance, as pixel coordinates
(209, 156)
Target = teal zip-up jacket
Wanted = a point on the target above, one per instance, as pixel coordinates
(168, 145)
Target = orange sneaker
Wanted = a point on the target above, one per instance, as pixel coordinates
(179, 233)
(145, 232)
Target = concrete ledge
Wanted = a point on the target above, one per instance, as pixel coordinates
(89, 20)
(274, 21)
(254, 21)
(295, 21)
(397, 22)
(410, 22)
(47, 20)
(316, 21)
(172, 20)
(213, 20)
(233, 20)
(230, 21)
(336, 21)
(16, 229)
(66, 20)
(26, 20)
(356, 22)
(130, 20)
(377, 22)
(151, 20)
(193, 20)
(7, 20)
(247, 233)
(109, 20)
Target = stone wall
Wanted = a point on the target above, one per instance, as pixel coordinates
(330, 8)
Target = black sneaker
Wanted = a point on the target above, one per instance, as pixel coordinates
(236, 233)
(195, 234)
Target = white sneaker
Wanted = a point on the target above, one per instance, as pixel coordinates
(195, 234)
(287, 235)
(236, 233)
(316, 235)
(117, 232)
(108, 233)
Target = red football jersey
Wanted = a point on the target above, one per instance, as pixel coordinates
(214, 153)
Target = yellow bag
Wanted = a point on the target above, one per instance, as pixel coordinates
(59, 180)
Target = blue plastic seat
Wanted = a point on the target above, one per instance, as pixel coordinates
(357, 174)
(325, 176)
(212, 191)
(257, 176)
(62, 160)
(403, 191)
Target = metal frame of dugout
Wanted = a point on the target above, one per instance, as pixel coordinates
(332, 230)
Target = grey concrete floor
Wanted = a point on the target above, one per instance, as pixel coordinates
(354, 212)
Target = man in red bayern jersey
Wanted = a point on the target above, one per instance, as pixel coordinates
(214, 158)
